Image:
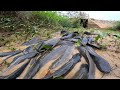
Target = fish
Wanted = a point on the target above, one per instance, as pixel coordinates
(32, 70)
(70, 74)
(65, 58)
(90, 43)
(72, 40)
(21, 58)
(89, 33)
(65, 43)
(31, 41)
(26, 70)
(70, 35)
(10, 58)
(28, 50)
(65, 68)
(100, 62)
(52, 42)
(10, 53)
(90, 40)
(84, 41)
(84, 52)
(94, 46)
(78, 37)
(34, 67)
(83, 72)
(15, 71)
(46, 61)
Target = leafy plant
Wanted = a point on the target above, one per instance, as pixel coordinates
(47, 47)
(78, 43)
(100, 36)
(97, 38)
(12, 48)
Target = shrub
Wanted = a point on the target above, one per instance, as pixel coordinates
(116, 26)
(50, 18)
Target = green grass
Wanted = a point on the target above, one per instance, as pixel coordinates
(49, 18)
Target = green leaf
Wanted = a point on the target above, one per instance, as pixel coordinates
(78, 43)
(47, 47)
(97, 38)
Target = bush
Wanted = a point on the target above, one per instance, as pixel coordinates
(75, 22)
(117, 26)
(65, 21)
(49, 18)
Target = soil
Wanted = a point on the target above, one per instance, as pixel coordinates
(94, 23)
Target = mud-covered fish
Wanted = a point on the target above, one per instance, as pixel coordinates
(9, 58)
(33, 68)
(32, 71)
(84, 52)
(82, 73)
(21, 58)
(65, 43)
(90, 40)
(89, 33)
(100, 62)
(72, 40)
(65, 58)
(70, 35)
(31, 41)
(46, 61)
(10, 53)
(65, 68)
(15, 71)
(94, 45)
(22, 75)
(52, 42)
(84, 41)
(78, 37)
(28, 50)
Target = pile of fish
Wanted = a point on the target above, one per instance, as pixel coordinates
(54, 58)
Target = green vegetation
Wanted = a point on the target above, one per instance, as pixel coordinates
(117, 26)
(51, 19)
(78, 43)
(75, 22)
(41, 23)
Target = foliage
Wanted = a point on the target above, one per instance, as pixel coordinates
(50, 18)
(76, 23)
(78, 43)
(116, 26)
